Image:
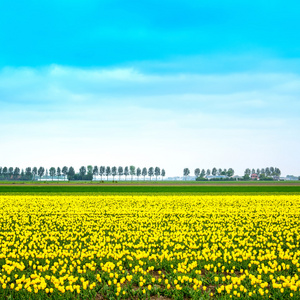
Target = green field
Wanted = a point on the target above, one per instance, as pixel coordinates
(175, 189)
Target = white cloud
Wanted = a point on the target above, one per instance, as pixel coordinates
(61, 115)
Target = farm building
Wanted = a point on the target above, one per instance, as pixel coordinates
(254, 176)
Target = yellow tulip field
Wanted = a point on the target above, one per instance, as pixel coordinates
(149, 246)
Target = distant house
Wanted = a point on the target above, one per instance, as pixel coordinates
(254, 176)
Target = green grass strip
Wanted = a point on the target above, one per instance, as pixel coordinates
(150, 189)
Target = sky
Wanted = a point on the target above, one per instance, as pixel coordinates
(174, 84)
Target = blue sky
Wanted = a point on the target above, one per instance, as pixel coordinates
(169, 83)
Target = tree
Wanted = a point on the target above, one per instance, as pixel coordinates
(156, 172)
(64, 171)
(52, 172)
(202, 174)
(16, 172)
(277, 172)
(214, 171)
(150, 172)
(230, 172)
(207, 172)
(126, 172)
(34, 172)
(197, 172)
(95, 171)
(272, 171)
(120, 172)
(253, 171)
(41, 171)
(114, 172)
(11, 172)
(58, 172)
(90, 170)
(101, 171)
(144, 173)
(163, 173)
(5, 172)
(71, 173)
(0, 171)
(132, 171)
(224, 172)
(262, 171)
(107, 172)
(186, 172)
(268, 173)
(247, 172)
(258, 171)
(138, 172)
(28, 173)
(82, 172)
(219, 171)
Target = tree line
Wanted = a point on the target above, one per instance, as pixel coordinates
(263, 174)
(200, 174)
(85, 173)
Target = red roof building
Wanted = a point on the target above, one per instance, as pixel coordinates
(254, 176)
